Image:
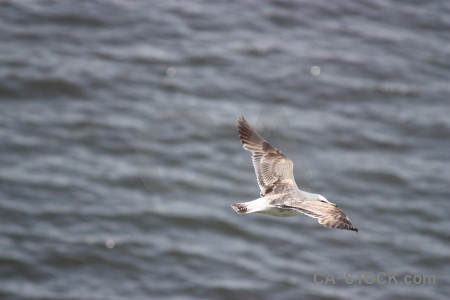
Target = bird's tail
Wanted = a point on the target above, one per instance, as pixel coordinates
(257, 205)
(240, 208)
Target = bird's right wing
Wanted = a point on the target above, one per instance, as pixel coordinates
(328, 214)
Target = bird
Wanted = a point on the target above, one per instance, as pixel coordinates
(280, 195)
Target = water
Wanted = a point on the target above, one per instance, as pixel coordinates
(120, 157)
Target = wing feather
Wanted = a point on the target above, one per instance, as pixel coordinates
(328, 214)
(273, 169)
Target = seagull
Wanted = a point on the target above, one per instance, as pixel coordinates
(280, 195)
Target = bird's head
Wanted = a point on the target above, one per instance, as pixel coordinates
(323, 199)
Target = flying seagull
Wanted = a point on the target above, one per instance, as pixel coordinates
(280, 195)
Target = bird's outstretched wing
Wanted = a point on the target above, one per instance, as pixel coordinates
(328, 214)
(274, 170)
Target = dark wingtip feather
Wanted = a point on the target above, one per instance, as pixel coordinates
(249, 138)
(243, 126)
(241, 121)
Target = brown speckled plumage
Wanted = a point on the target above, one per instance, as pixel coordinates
(280, 195)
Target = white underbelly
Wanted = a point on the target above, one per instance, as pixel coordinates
(280, 212)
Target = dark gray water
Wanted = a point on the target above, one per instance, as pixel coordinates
(120, 158)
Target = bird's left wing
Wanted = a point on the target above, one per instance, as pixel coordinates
(274, 170)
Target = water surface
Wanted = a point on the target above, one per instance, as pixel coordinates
(120, 156)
